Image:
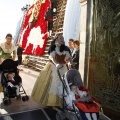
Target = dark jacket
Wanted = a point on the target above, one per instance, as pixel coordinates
(75, 58)
(19, 51)
(53, 3)
(49, 15)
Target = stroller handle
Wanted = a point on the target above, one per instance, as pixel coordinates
(59, 68)
(63, 82)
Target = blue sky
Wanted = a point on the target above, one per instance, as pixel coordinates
(10, 13)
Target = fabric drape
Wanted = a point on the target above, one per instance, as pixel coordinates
(71, 27)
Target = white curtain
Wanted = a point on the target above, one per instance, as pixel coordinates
(71, 27)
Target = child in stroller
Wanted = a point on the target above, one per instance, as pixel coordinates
(13, 84)
(77, 99)
(88, 109)
(11, 81)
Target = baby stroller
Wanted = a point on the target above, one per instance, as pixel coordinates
(9, 66)
(77, 109)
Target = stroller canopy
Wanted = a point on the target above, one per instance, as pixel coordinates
(8, 64)
(74, 77)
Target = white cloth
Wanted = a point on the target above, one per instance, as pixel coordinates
(71, 26)
(82, 93)
(56, 85)
(71, 97)
(94, 116)
(74, 50)
(2, 45)
(10, 84)
(17, 90)
(52, 54)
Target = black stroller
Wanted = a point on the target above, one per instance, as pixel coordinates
(73, 76)
(9, 66)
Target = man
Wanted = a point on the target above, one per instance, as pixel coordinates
(19, 54)
(49, 19)
(70, 45)
(53, 5)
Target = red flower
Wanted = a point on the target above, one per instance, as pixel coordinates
(40, 22)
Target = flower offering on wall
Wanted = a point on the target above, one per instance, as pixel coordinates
(34, 31)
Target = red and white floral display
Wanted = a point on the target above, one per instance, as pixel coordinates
(34, 31)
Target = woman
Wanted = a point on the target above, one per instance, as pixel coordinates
(47, 89)
(75, 54)
(7, 49)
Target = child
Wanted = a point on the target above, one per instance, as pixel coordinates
(14, 82)
(74, 92)
(84, 103)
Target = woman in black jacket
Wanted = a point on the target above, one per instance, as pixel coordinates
(75, 54)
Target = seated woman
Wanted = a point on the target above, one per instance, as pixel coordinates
(88, 109)
(7, 48)
(47, 87)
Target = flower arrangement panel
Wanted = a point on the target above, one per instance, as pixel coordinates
(25, 23)
(35, 33)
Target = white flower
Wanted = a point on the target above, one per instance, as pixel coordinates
(35, 37)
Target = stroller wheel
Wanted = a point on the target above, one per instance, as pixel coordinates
(6, 101)
(25, 98)
(60, 116)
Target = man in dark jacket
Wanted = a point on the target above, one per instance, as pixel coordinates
(19, 54)
(53, 5)
(49, 18)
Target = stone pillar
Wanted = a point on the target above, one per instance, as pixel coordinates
(83, 17)
(85, 36)
(88, 39)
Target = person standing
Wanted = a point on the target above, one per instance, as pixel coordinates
(54, 5)
(47, 89)
(70, 45)
(75, 54)
(19, 54)
(7, 49)
(49, 19)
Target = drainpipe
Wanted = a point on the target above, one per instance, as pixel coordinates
(88, 38)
